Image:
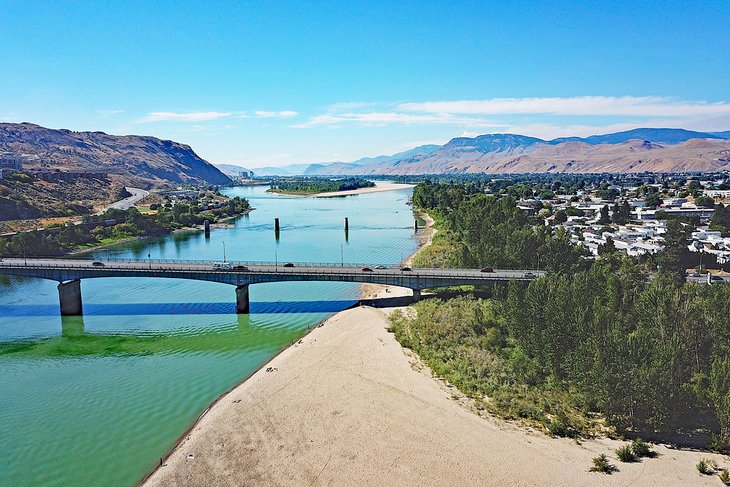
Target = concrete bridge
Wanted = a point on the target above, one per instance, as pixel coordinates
(69, 272)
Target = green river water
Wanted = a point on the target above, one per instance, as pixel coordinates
(98, 399)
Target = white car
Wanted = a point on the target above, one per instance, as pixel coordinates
(222, 266)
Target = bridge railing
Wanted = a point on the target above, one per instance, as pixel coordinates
(351, 271)
(209, 261)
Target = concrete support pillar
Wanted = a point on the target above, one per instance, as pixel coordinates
(69, 293)
(416, 295)
(206, 228)
(243, 304)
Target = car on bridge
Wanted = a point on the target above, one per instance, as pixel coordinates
(487, 269)
(288, 264)
(381, 267)
(97, 264)
(405, 268)
(240, 268)
(367, 269)
(530, 274)
(222, 266)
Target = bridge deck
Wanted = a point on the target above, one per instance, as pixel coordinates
(245, 273)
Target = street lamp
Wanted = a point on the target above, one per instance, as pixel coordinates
(342, 256)
(224, 252)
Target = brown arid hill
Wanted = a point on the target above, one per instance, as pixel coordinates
(145, 162)
(632, 156)
(65, 173)
(636, 150)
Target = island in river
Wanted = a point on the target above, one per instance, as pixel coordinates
(312, 186)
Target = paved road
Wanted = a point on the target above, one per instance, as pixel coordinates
(128, 202)
(703, 279)
(268, 268)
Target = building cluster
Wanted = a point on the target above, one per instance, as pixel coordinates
(639, 228)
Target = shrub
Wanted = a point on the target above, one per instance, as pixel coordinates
(560, 426)
(641, 449)
(724, 476)
(717, 443)
(600, 464)
(705, 466)
(625, 454)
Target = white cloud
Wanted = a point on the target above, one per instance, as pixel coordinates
(208, 116)
(386, 118)
(644, 106)
(281, 114)
(185, 117)
(109, 112)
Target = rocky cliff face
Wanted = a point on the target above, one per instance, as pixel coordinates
(137, 160)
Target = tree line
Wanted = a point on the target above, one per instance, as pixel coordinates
(114, 225)
(619, 336)
(312, 186)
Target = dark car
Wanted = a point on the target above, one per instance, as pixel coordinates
(487, 269)
(240, 267)
(97, 264)
(367, 269)
(288, 264)
(406, 268)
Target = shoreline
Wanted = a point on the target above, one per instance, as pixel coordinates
(367, 292)
(313, 414)
(219, 225)
(333, 194)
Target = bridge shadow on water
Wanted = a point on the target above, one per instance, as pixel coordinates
(132, 309)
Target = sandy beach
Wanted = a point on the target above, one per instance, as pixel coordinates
(347, 405)
(332, 194)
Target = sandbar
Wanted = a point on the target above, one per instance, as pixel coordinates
(347, 405)
(332, 194)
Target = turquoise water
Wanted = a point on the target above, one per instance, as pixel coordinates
(98, 399)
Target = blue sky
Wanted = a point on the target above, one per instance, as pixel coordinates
(272, 83)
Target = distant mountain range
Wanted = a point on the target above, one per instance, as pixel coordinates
(134, 160)
(638, 150)
(232, 170)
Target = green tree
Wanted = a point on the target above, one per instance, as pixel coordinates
(604, 219)
(673, 258)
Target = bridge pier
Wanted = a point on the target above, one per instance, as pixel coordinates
(69, 294)
(416, 295)
(243, 304)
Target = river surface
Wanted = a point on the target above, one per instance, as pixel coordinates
(98, 399)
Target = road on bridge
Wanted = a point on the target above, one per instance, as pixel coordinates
(268, 268)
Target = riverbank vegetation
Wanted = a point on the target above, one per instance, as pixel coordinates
(597, 345)
(316, 185)
(115, 225)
